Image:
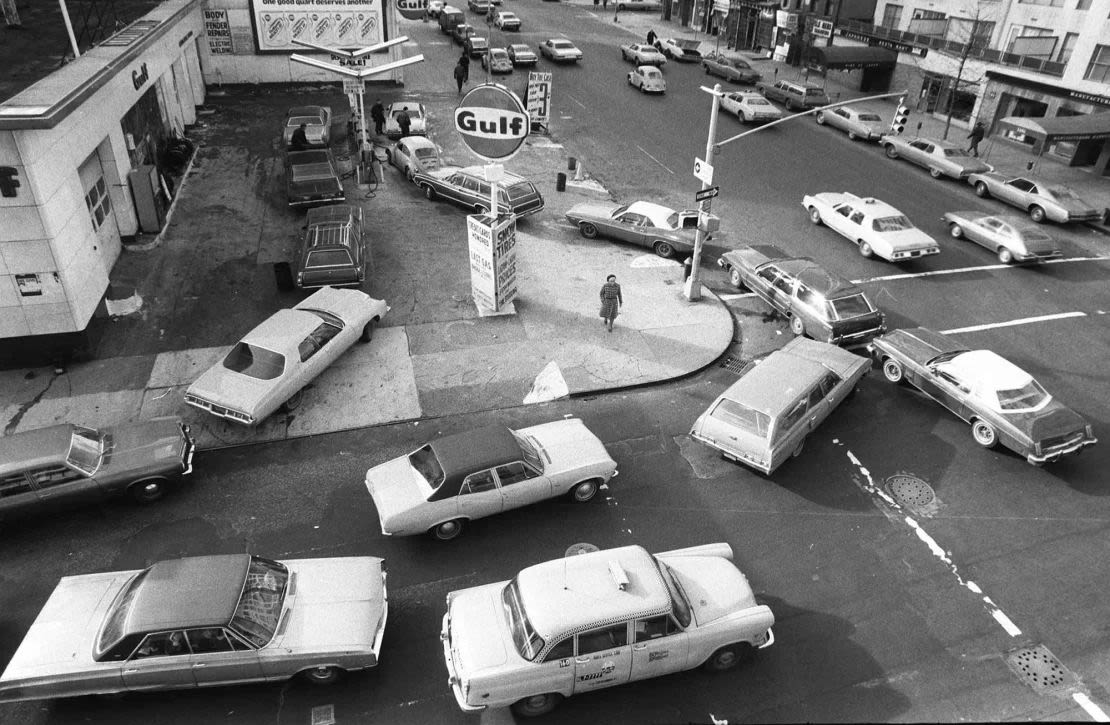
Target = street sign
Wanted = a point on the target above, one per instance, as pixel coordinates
(707, 193)
(492, 121)
(411, 9)
(539, 97)
(703, 171)
(354, 85)
(822, 28)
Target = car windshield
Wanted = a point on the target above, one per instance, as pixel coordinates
(253, 361)
(426, 153)
(423, 461)
(528, 642)
(680, 603)
(851, 306)
(955, 152)
(1028, 396)
(519, 49)
(329, 258)
(870, 117)
(85, 449)
(758, 101)
(259, 610)
(117, 615)
(499, 55)
(652, 73)
(562, 44)
(741, 416)
(528, 446)
(892, 223)
(307, 120)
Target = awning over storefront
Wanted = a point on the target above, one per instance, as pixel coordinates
(849, 57)
(1060, 128)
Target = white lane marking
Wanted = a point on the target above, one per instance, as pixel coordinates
(1092, 709)
(580, 103)
(961, 270)
(1012, 323)
(655, 159)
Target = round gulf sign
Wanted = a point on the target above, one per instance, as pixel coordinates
(411, 9)
(492, 121)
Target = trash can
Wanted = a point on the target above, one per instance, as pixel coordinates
(283, 275)
(560, 181)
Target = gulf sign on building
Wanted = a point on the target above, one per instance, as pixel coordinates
(492, 245)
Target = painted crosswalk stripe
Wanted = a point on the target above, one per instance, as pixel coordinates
(1012, 323)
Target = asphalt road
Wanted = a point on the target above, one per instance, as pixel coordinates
(884, 613)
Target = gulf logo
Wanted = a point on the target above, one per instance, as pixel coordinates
(492, 121)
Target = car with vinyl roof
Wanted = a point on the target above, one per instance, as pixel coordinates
(467, 187)
(659, 228)
(312, 178)
(858, 123)
(599, 619)
(941, 158)
(730, 68)
(1043, 200)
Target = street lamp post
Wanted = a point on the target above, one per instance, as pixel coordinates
(693, 284)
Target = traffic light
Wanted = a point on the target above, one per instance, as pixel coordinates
(901, 115)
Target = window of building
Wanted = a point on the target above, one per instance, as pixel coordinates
(1067, 47)
(1099, 67)
(1049, 3)
(1031, 40)
(1083, 4)
(928, 22)
(892, 16)
(969, 30)
(98, 202)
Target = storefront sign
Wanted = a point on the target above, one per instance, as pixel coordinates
(786, 20)
(492, 246)
(539, 97)
(822, 28)
(140, 76)
(1089, 97)
(882, 42)
(335, 23)
(217, 29)
(9, 181)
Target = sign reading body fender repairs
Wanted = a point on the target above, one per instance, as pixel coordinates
(335, 23)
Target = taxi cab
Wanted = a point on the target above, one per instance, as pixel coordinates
(596, 620)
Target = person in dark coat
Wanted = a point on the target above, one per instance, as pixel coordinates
(611, 301)
(377, 112)
(460, 75)
(300, 138)
(651, 37)
(464, 61)
(976, 136)
(404, 121)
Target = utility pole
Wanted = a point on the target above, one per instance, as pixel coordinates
(693, 283)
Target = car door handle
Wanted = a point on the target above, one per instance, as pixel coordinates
(197, 665)
(131, 671)
(639, 647)
(581, 661)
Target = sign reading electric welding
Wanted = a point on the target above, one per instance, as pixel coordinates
(332, 23)
(492, 121)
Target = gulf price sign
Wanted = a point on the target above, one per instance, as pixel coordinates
(411, 9)
(492, 121)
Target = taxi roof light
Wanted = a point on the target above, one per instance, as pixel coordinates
(619, 575)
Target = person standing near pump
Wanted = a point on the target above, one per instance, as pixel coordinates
(611, 301)
(377, 113)
(299, 141)
(976, 136)
(651, 36)
(404, 121)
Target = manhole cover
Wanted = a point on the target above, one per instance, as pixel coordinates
(582, 548)
(1038, 667)
(910, 490)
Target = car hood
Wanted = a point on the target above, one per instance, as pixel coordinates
(714, 586)
(396, 488)
(156, 440)
(478, 629)
(592, 210)
(687, 44)
(568, 445)
(338, 603)
(233, 390)
(62, 636)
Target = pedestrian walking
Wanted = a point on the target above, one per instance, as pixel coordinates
(611, 301)
(377, 112)
(464, 60)
(651, 36)
(976, 136)
(404, 121)
(460, 75)
(300, 139)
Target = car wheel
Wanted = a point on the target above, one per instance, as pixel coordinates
(479, 209)
(852, 136)
(389, 155)
(589, 231)
(536, 705)
(410, 173)
(707, 71)
(447, 530)
(663, 249)
(984, 433)
(743, 117)
(147, 491)
(820, 118)
(368, 330)
(734, 277)
(797, 326)
(865, 249)
(893, 370)
(891, 152)
(294, 401)
(798, 449)
(814, 215)
(429, 192)
(1005, 255)
(727, 657)
(935, 173)
(1037, 214)
(322, 675)
(956, 231)
(981, 189)
(584, 491)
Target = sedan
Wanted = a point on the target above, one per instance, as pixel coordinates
(818, 303)
(855, 122)
(497, 60)
(680, 49)
(1002, 402)
(71, 463)
(418, 125)
(750, 107)
(202, 621)
(273, 362)
(507, 21)
(648, 79)
(736, 70)
(413, 154)
(440, 486)
(660, 229)
(461, 32)
(1041, 199)
(311, 178)
(560, 50)
(874, 226)
(1012, 238)
(476, 46)
(317, 122)
(939, 157)
(642, 54)
(521, 55)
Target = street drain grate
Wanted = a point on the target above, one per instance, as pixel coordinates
(1038, 667)
(910, 490)
(733, 364)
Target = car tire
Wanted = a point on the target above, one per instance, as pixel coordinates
(368, 330)
(707, 71)
(742, 117)
(865, 249)
(727, 657)
(583, 491)
(981, 190)
(815, 215)
(409, 173)
(536, 705)
(1037, 214)
(322, 675)
(935, 173)
(797, 326)
(890, 151)
(663, 249)
(429, 192)
(1005, 255)
(956, 231)
(479, 209)
(148, 490)
(588, 230)
(798, 448)
(735, 278)
(852, 136)
(984, 433)
(893, 371)
(447, 530)
(294, 401)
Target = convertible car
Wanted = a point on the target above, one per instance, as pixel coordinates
(660, 229)
(1003, 403)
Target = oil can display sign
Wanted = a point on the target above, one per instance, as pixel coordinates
(539, 97)
(492, 244)
(335, 23)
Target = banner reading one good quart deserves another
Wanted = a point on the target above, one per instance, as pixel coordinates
(333, 23)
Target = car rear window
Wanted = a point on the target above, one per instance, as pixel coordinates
(426, 154)
(521, 189)
(424, 461)
(1030, 395)
(259, 610)
(254, 361)
(307, 120)
(85, 448)
(117, 615)
(851, 306)
(892, 224)
(312, 172)
(329, 258)
(741, 416)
